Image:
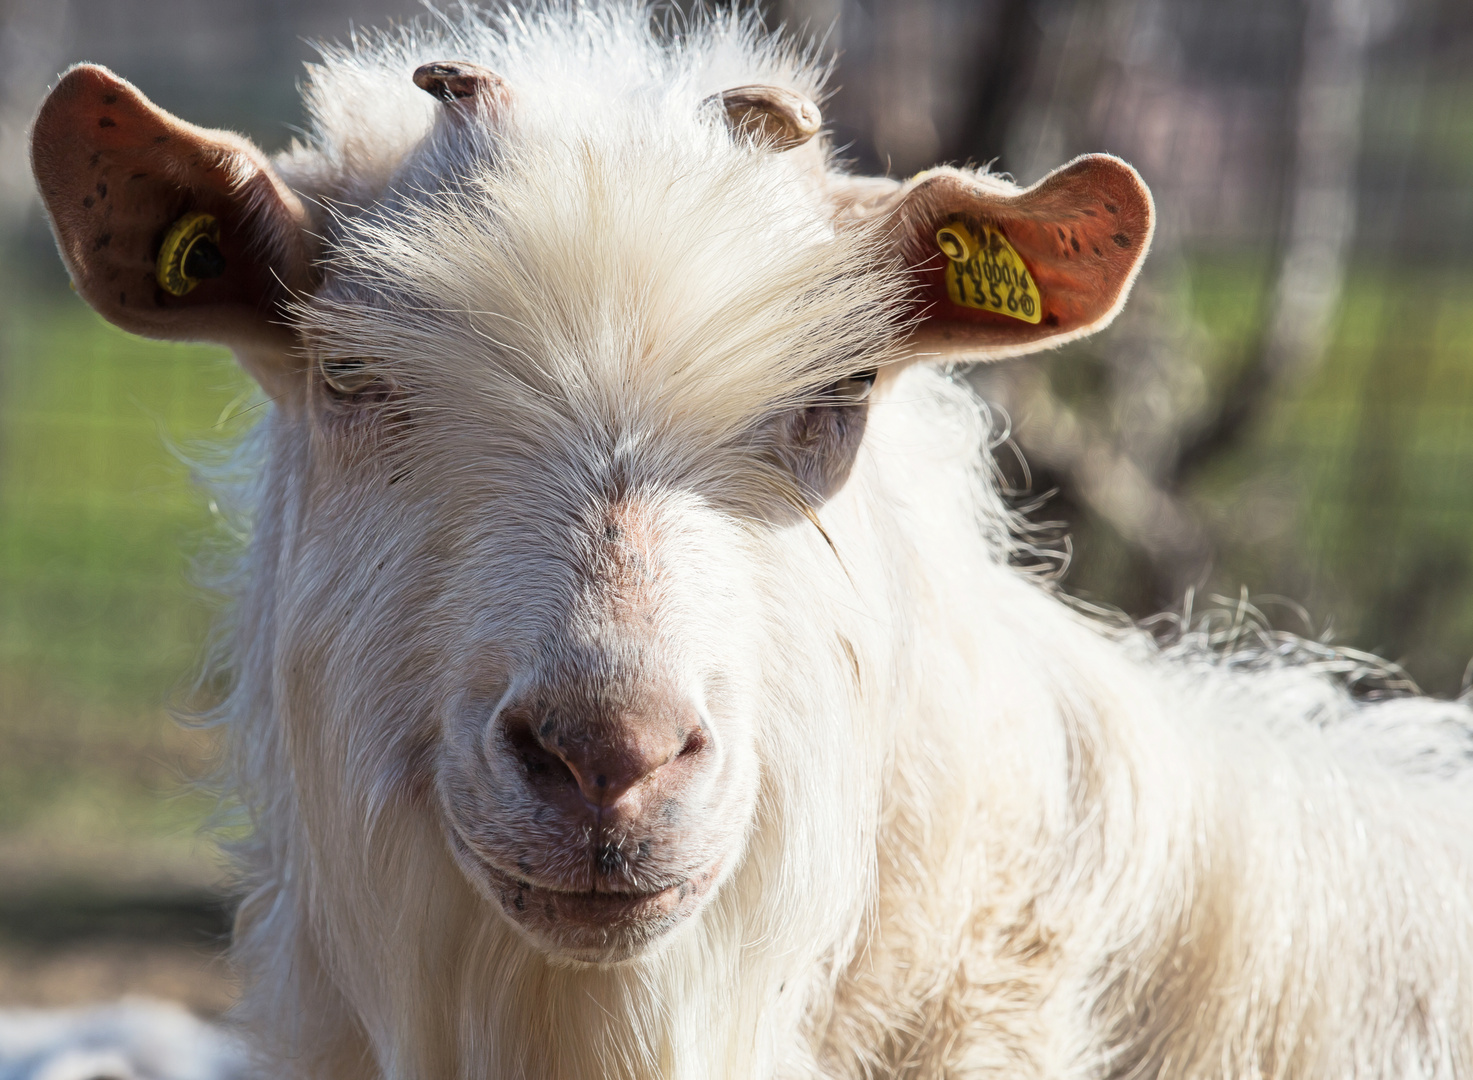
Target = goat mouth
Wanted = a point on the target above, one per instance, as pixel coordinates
(592, 926)
(598, 905)
(597, 927)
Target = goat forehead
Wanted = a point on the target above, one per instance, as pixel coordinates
(607, 238)
(656, 282)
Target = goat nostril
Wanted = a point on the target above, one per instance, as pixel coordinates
(540, 763)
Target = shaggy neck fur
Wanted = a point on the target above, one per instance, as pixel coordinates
(991, 838)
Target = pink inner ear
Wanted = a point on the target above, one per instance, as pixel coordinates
(116, 172)
(1082, 233)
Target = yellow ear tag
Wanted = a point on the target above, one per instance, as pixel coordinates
(987, 273)
(189, 254)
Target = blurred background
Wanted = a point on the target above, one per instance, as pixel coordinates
(1285, 408)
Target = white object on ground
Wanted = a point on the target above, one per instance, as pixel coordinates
(133, 1039)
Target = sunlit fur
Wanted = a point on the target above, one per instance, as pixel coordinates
(983, 835)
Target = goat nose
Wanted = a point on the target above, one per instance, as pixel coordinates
(605, 757)
(605, 769)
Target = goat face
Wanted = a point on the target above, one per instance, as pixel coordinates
(566, 501)
(599, 783)
(562, 624)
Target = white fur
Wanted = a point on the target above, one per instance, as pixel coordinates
(987, 836)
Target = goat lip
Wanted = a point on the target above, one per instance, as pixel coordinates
(595, 907)
(597, 927)
(587, 927)
(608, 897)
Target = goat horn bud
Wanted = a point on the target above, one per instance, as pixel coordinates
(454, 80)
(780, 119)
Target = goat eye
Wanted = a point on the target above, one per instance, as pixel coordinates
(855, 388)
(346, 378)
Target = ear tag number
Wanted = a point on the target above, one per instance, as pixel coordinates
(987, 273)
(189, 254)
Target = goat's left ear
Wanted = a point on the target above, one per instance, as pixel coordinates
(1000, 271)
(169, 230)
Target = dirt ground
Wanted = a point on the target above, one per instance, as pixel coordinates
(86, 972)
(79, 927)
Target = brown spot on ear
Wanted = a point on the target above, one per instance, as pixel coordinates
(139, 176)
(107, 121)
(159, 140)
(1047, 225)
(92, 162)
(1121, 240)
(102, 189)
(88, 201)
(102, 241)
(1112, 208)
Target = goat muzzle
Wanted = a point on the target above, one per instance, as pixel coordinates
(603, 763)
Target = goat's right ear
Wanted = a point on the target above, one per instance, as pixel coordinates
(169, 230)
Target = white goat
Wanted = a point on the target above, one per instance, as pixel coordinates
(622, 689)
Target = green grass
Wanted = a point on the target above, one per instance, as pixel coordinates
(99, 622)
(1353, 493)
